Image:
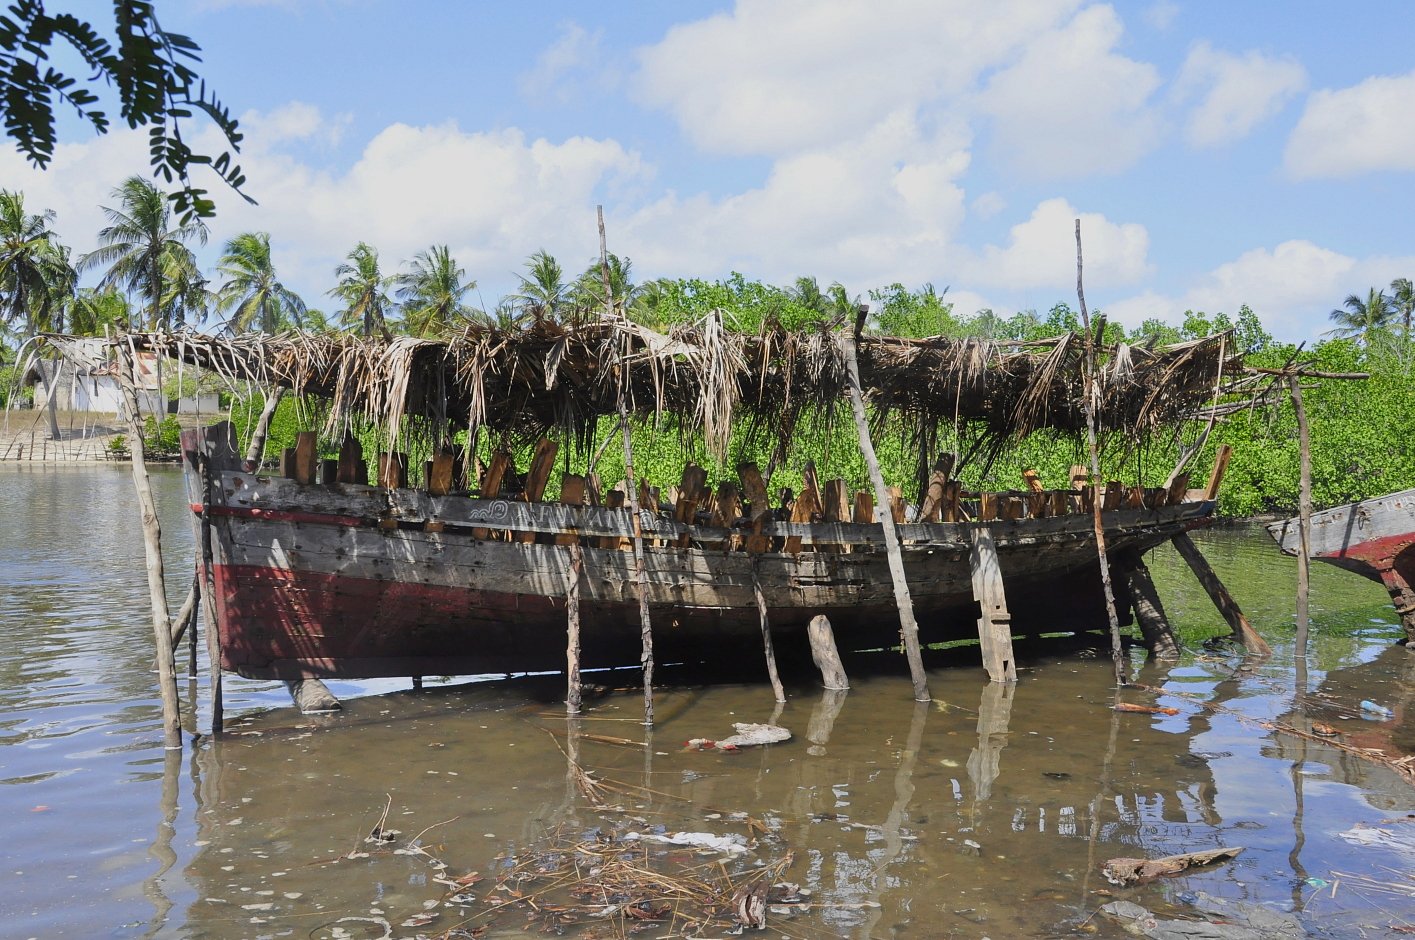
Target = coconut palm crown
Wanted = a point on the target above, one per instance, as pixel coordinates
(251, 295)
(144, 256)
(35, 275)
(432, 293)
(1363, 318)
(364, 290)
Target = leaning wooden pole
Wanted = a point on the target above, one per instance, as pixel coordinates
(256, 451)
(1304, 515)
(766, 633)
(909, 627)
(152, 546)
(1091, 398)
(645, 622)
(1224, 601)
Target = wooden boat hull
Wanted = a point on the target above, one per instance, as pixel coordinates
(1374, 538)
(354, 581)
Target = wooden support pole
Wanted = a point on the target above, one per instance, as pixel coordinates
(206, 570)
(766, 634)
(994, 622)
(909, 627)
(255, 453)
(573, 695)
(312, 696)
(1135, 580)
(1092, 399)
(1242, 630)
(1304, 515)
(152, 546)
(1225, 452)
(825, 654)
(645, 623)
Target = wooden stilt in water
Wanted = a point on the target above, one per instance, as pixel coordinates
(825, 654)
(908, 626)
(256, 451)
(766, 634)
(645, 623)
(1137, 583)
(573, 697)
(212, 450)
(1304, 515)
(152, 546)
(313, 697)
(1092, 403)
(1242, 630)
(995, 622)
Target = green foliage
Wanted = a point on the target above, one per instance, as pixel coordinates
(161, 438)
(119, 444)
(151, 70)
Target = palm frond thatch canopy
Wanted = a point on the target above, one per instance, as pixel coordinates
(520, 383)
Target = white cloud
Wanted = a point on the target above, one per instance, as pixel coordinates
(1292, 288)
(1161, 14)
(780, 77)
(1041, 252)
(988, 205)
(1361, 129)
(577, 51)
(1073, 106)
(1242, 92)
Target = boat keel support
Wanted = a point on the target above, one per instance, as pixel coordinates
(312, 697)
(994, 622)
(1242, 629)
(1149, 611)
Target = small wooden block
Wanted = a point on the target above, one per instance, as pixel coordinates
(1178, 490)
(541, 465)
(1114, 495)
(440, 474)
(1034, 480)
(1079, 477)
(306, 457)
(351, 454)
(328, 472)
(1135, 498)
(864, 506)
(1060, 502)
(987, 507)
(896, 504)
(287, 463)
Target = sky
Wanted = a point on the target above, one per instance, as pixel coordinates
(1217, 153)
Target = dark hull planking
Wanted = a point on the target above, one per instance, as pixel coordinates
(353, 581)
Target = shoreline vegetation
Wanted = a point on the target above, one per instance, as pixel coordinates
(149, 280)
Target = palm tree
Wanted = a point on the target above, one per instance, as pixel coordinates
(1362, 319)
(91, 310)
(432, 292)
(589, 289)
(35, 275)
(1402, 294)
(364, 291)
(807, 293)
(545, 292)
(251, 293)
(145, 257)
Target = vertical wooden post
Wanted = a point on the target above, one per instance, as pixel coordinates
(825, 654)
(256, 450)
(908, 626)
(1149, 611)
(1304, 515)
(192, 638)
(994, 622)
(755, 490)
(306, 457)
(152, 546)
(572, 624)
(645, 623)
(1225, 452)
(1092, 405)
(208, 588)
(351, 454)
(766, 633)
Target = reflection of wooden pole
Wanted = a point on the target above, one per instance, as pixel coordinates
(1304, 531)
(572, 621)
(152, 545)
(766, 634)
(645, 623)
(1092, 397)
(908, 626)
(1224, 601)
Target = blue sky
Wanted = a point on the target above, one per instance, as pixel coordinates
(1218, 153)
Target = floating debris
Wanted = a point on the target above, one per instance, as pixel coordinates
(1123, 871)
(748, 735)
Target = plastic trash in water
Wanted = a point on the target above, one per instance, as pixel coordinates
(1374, 709)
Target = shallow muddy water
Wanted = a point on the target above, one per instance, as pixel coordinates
(987, 813)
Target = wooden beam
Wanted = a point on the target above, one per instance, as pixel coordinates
(864, 507)
(767, 646)
(539, 474)
(725, 512)
(1225, 452)
(1177, 490)
(1242, 630)
(255, 453)
(896, 505)
(1079, 477)
(987, 507)
(909, 627)
(754, 488)
(934, 488)
(439, 481)
(306, 457)
(1114, 495)
(806, 507)
(994, 620)
(1033, 480)
(287, 463)
(572, 493)
(490, 486)
(1135, 580)
(690, 492)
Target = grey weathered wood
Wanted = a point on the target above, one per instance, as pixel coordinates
(766, 633)
(825, 654)
(575, 562)
(1336, 532)
(1304, 517)
(994, 622)
(822, 721)
(908, 626)
(256, 451)
(1224, 601)
(152, 548)
(312, 697)
(1149, 610)
(186, 613)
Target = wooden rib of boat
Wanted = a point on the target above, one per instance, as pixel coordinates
(1374, 538)
(348, 580)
